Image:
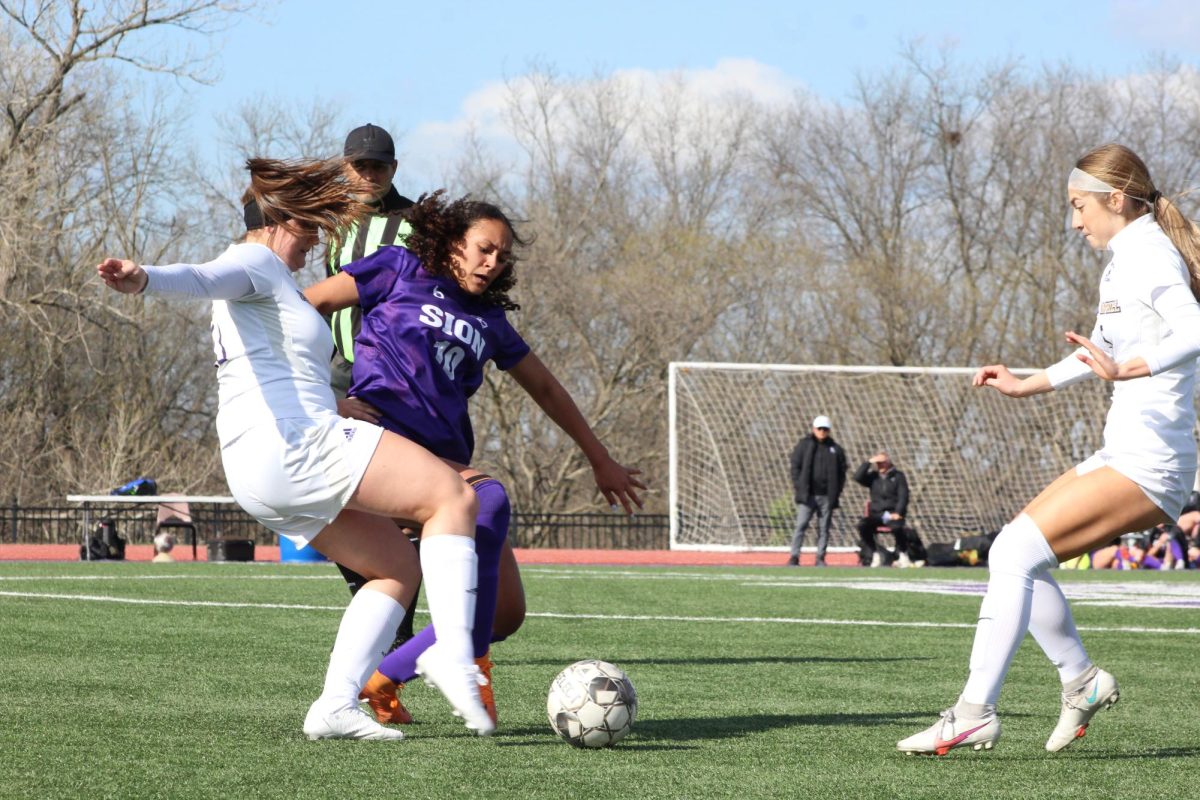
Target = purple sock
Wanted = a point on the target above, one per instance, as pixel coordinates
(1176, 551)
(491, 529)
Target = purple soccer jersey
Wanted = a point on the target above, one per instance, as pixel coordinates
(420, 353)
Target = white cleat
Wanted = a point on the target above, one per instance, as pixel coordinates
(1079, 706)
(460, 683)
(950, 732)
(345, 723)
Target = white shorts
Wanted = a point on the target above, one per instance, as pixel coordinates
(1167, 489)
(296, 475)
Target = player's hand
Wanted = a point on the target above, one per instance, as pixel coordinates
(353, 408)
(999, 378)
(1101, 362)
(618, 484)
(122, 275)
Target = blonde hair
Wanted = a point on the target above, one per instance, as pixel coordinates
(309, 193)
(1120, 167)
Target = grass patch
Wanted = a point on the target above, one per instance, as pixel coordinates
(191, 681)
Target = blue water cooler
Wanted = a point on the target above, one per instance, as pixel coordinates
(288, 552)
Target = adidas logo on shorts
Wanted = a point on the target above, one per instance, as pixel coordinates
(349, 433)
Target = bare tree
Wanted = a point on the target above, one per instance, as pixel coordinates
(920, 222)
(95, 389)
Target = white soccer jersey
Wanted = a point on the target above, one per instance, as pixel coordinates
(1146, 309)
(272, 347)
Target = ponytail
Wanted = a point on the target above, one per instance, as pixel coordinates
(1122, 170)
(1182, 232)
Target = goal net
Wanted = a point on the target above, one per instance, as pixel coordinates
(973, 458)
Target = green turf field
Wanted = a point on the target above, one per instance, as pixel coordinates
(132, 680)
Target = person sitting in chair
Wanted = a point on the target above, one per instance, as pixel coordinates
(887, 508)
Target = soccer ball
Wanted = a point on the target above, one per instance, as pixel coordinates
(164, 542)
(592, 704)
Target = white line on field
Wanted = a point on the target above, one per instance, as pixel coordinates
(178, 576)
(606, 617)
(143, 601)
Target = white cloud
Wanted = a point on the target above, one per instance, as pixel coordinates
(1151, 92)
(1160, 24)
(431, 149)
(728, 78)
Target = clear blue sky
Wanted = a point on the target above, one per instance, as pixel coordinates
(415, 66)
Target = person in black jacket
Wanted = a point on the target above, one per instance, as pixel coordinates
(370, 157)
(888, 507)
(818, 475)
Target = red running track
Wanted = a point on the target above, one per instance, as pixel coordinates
(658, 558)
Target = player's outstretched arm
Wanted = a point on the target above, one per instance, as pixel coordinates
(333, 294)
(998, 377)
(122, 275)
(1105, 365)
(617, 483)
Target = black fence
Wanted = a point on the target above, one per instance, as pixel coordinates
(136, 523)
(591, 531)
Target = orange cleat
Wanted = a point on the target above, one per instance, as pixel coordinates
(383, 696)
(484, 662)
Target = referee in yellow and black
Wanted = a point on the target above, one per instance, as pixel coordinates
(371, 154)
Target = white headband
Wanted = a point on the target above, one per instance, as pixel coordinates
(1083, 182)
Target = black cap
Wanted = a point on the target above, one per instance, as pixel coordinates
(370, 142)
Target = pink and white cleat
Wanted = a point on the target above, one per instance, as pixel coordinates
(950, 732)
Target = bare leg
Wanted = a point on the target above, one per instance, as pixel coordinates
(1051, 622)
(1078, 513)
(1071, 516)
(405, 481)
(510, 605)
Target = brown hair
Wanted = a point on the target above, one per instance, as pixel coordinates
(438, 227)
(1120, 167)
(309, 193)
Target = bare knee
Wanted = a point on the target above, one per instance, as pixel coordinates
(371, 546)
(454, 508)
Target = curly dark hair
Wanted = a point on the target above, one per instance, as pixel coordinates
(438, 227)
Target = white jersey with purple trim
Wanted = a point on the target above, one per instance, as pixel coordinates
(1146, 309)
(272, 347)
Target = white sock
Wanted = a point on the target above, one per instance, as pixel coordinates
(1018, 555)
(1053, 628)
(368, 627)
(450, 572)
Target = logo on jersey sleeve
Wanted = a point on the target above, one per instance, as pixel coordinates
(1110, 307)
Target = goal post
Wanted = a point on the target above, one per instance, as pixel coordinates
(973, 458)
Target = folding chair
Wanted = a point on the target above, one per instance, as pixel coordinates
(889, 555)
(176, 514)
